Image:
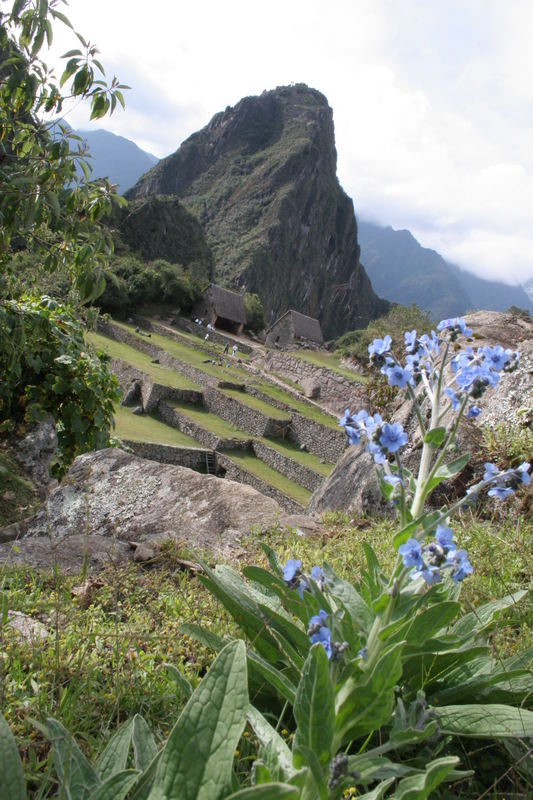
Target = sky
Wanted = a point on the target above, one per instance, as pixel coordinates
(432, 101)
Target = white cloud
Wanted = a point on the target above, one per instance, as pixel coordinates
(432, 101)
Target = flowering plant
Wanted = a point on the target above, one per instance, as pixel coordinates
(384, 676)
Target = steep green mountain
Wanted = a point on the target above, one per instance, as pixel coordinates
(405, 272)
(261, 177)
(116, 158)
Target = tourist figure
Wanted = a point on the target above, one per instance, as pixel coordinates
(234, 350)
(226, 348)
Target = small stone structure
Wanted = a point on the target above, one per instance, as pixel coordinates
(222, 308)
(291, 327)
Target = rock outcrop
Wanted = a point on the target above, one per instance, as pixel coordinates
(261, 178)
(110, 498)
(352, 485)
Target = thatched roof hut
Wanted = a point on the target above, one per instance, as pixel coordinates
(222, 308)
(292, 326)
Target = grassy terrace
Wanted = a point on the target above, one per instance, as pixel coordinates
(196, 338)
(144, 428)
(210, 421)
(305, 409)
(292, 451)
(250, 463)
(331, 361)
(141, 361)
(257, 404)
(195, 358)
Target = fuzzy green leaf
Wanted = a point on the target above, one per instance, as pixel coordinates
(416, 787)
(198, 756)
(144, 746)
(116, 787)
(12, 783)
(267, 791)
(489, 721)
(77, 778)
(115, 756)
(435, 437)
(314, 708)
(268, 736)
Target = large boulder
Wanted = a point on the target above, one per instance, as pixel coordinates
(111, 497)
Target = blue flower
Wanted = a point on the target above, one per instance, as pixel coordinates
(494, 357)
(323, 636)
(397, 375)
(430, 343)
(473, 412)
(345, 418)
(491, 470)
(393, 479)
(317, 621)
(500, 492)
(352, 434)
(392, 437)
(376, 452)
(317, 575)
(429, 574)
(411, 553)
(460, 563)
(362, 653)
(291, 570)
(410, 341)
(456, 324)
(373, 422)
(522, 472)
(444, 537)
(380, 346)
(454, 400)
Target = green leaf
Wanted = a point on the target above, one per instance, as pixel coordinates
(115, 756)
(435, 437)
(277, 679)
(205, 637)
(482, 619)
(314, 708)
(429, 622)
(489, 721)
(349, 598)
(179, 679)
(453, 468)
(12, 783)
(144, 746)
(267, 791)
(268, 736)
(116, 787)
(378, 792)
(303, 756)
(197, 760)
(76, 776)
(416, 787)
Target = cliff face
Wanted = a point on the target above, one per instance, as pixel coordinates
(261, 177)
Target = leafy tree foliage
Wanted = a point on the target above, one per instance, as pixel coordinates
(355, 343)
(47, 369)
(255, 314)
(46, 205)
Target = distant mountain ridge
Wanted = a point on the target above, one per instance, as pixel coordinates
(403, 271)
(116, 158)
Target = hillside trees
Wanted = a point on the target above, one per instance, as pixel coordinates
(53, 213)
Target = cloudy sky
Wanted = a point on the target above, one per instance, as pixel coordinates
(432, 101)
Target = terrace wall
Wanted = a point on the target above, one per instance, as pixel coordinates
(193, 458)
(186, 425)
(286, 466)
(235, 473)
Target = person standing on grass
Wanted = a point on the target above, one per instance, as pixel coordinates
(226, 348)
(234, 350)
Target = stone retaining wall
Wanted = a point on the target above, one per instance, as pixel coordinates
(193, 458)
(325, 442)
(336, 392)
(186, 425)
(151, 393)
(242, 416)
(291, 469)
(235, 473)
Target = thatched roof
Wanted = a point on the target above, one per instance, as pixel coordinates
(226, 303)
(304, 327)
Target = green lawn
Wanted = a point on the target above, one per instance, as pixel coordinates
(144, 428)
(210, 421)
(197, 338)
(305, 409)
(249, 462)
(257, 404)
(292, 451)
(195, 358)
(135, 358)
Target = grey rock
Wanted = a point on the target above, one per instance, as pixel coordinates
(35, 452)
(138, 410)
(311, 388)
(133, 396)
(30, 630)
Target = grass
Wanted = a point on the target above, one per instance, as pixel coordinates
(292, 450)
(258, 405)
(104, 660)
(210, 421)
(195, 358)
(249, 462)
(305, 409)
(144, 428)
(198, 338)
(141, 361)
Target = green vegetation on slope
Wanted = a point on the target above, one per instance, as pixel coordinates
(210, 421)
(249, 462)
(144, 428)
(141, 361)
(258, 405)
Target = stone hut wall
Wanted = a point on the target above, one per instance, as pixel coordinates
(281, 334)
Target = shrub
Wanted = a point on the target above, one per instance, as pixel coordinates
(255, 315)
(47, 369)
(355, 343)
